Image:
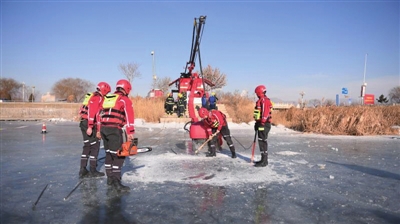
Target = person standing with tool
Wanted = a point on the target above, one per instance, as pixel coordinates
(89, 113)
(263, 118)
(117, 112)
(215, 121)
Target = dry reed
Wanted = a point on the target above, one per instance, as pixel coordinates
(350, 120)
(239, 108)
(149, 109)
(354, 120)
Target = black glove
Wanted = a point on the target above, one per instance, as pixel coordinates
(256, 126)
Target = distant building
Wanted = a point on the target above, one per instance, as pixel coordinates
(155, 93)
(48, 98)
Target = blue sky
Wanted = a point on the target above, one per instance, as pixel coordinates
(317, 47)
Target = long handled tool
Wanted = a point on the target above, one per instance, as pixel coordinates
(197, 151)
(39, 196)
(209, 139)
(73, 190)
(254, 146)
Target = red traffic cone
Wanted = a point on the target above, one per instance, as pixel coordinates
(44, 131)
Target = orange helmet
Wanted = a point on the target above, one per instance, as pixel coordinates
(103, 88)
(203, 112)
(260, 90)
(124, 84)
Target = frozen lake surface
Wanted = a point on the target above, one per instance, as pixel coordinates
(310, 178)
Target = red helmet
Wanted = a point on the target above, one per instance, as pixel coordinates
(260, 90)
(103, 88)
(124, 84)
(203, 112)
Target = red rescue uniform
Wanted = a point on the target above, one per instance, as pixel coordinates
(89, 113)
(117, 113)
(216, 121)
(263, 118)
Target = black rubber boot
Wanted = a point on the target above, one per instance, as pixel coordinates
(95, 173)
(211, 153)
(110, 181)
(258, 162)
(119, 187)
(263, 162)
(233, 152)
(83, 172)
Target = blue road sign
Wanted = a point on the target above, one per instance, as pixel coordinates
(345, 91)
(337, 100)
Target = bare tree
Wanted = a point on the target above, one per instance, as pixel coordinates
(72, 89)
(9, 88)
(30, 93)
(215, 76)
(162, 84)
(315, 102)
(329, 102)
(394, 94)
(130, 70)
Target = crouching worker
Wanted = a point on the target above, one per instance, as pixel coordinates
(215, 121)
(117, 112)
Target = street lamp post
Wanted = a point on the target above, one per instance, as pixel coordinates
(302, 93)
(154, 67)
(364, 85)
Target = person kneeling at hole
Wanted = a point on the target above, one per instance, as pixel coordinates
(214, 121)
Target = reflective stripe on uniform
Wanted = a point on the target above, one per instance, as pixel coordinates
(109, 151)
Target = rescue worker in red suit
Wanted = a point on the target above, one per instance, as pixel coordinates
(117, 112)
(89, 113)
(262, 116)
(214, 121)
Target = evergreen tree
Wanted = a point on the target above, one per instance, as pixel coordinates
(31, 98)
(382, 99)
